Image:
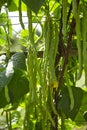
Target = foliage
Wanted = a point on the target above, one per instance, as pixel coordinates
(43, 70)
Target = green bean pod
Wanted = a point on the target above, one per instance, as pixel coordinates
(85, 42)
(79, 46)
(64, 18)
(69, 91)
(20, 15)
(74, 5)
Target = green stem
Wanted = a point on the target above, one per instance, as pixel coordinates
(7, 120)
(7, 31)
(8, 42)
(29, 14)
(20, 14)
(10, 125)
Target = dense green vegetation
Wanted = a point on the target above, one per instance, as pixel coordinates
(39, 69)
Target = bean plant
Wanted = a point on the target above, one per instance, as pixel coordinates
(39, 69)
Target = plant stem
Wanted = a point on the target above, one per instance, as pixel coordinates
(29, 14)
(20, 14)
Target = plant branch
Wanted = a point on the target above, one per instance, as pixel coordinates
(67, 52)
(69, 12)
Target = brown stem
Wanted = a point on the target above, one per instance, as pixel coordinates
(57, 59)
(60, 48)
(67, 52)
(69, 13)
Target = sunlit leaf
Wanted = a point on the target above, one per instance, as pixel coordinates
(13, 6)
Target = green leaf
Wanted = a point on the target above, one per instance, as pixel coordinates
(18, 86)
(18, 60)
(3, 100)
(34, 5)
(81, 116)
(13, 6)
(9, 2)
(6, 75)
(64, 104)
(14, 78)
(5, 78)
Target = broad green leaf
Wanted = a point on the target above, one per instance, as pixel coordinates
(6, 75)
(3, 100)
(18, 60)
(64, 104)
(9, 2)
(23, 38)
(13, 6)
(34, 5)
(18, 86)
(13, 81)
(81, 116)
